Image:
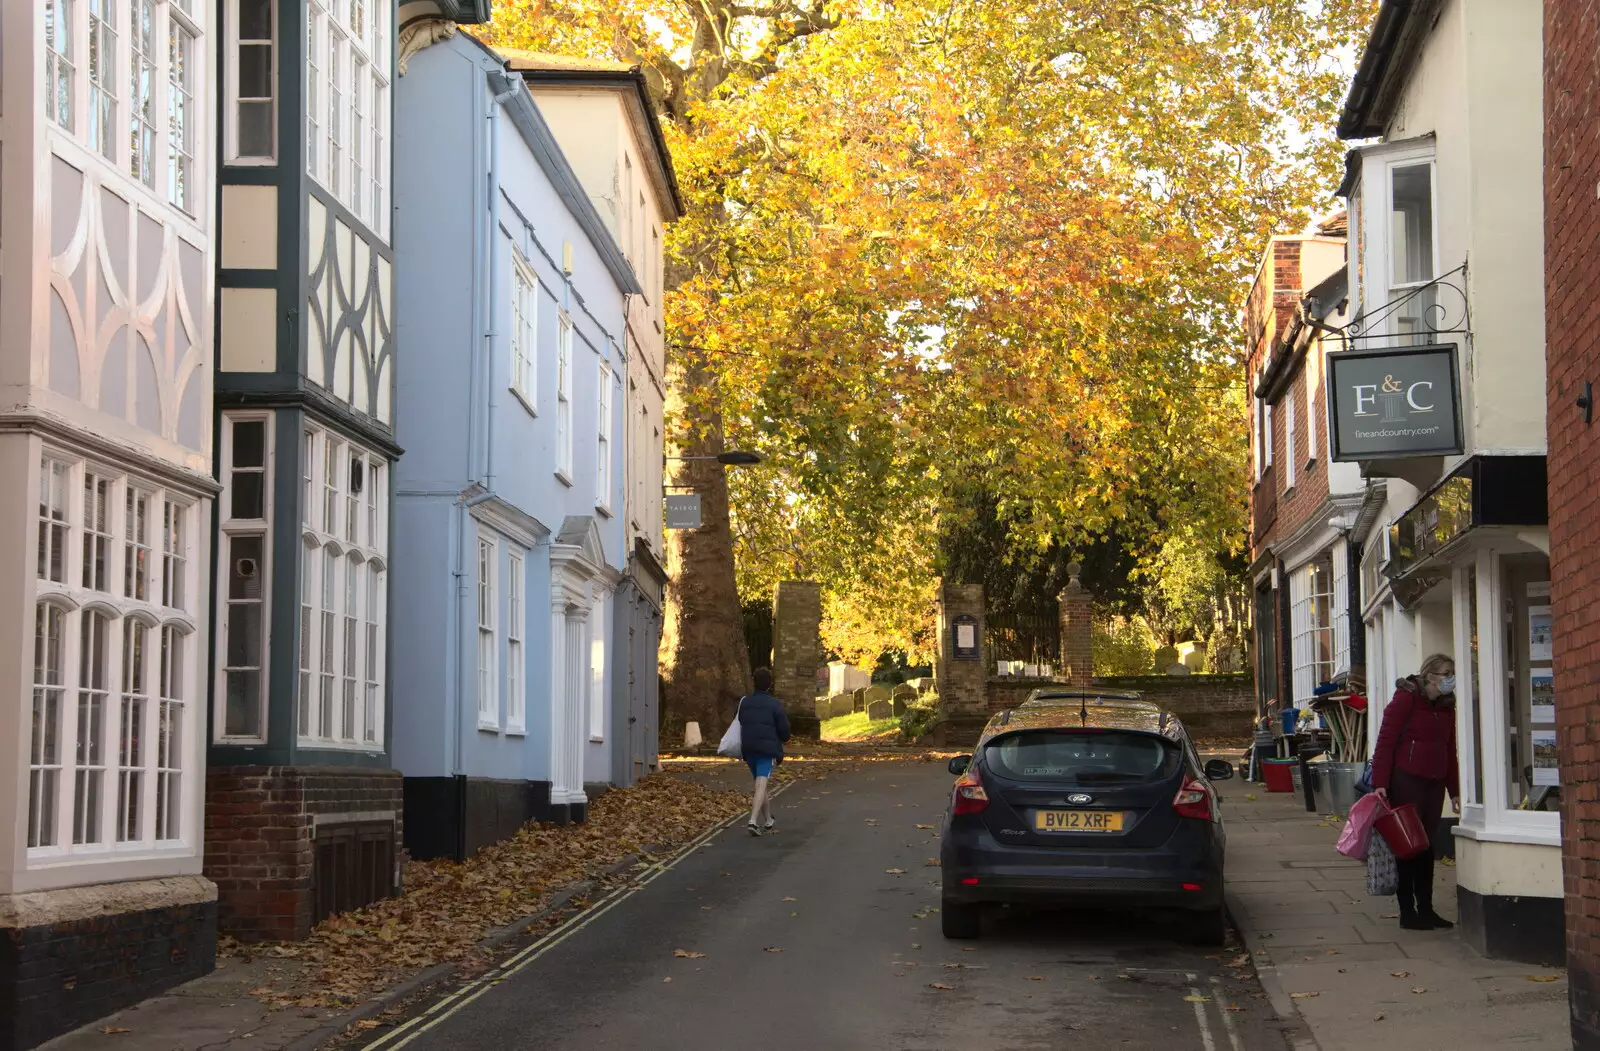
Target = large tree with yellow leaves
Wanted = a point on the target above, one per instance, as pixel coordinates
(930, 242)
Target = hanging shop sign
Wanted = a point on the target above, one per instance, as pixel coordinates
(1390, 404)
(683, 511)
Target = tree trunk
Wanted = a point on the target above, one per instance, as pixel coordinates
(705, 667)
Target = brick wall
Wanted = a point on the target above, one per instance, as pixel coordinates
(56, 977)
(1209, 705)
(1310, 483)
(1572, 320)
(261, 839)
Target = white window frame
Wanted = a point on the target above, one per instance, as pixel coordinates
(595, 688)
(61, 63)
(1307, 632)
(55, 786)
(488, 616)
(103, 128)
(603, 446)
(564, 421)
(235, 98)
(524, 331)
(1288, 440)
(1373, 266)
(516, 652)
(341, 701)
(1313, 375)
(229, 530)
(184, 91)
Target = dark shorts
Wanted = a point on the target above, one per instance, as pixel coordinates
(760, 765)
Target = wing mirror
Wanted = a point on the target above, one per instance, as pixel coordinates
(959, 764)
(1219, 770)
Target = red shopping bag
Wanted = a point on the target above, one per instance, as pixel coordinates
(1401, 827)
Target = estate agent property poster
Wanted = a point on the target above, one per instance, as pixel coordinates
(1545, 773)
(1542, 688)
(1541, 634)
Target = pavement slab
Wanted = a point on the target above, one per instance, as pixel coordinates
(1337, 960)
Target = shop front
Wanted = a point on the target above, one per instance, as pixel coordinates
(1465, 570)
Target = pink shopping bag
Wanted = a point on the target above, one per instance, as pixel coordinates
(1357, 834)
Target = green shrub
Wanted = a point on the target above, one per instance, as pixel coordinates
(920, 715)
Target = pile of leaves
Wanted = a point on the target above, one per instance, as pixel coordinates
(447, 907)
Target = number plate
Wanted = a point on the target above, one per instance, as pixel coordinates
(1078, 820)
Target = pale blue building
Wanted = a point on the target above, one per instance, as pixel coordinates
(508, 524)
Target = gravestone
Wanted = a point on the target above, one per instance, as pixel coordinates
(824, 708)
(859, 700)
(877, 693)
(1166, 657)
(881, 708)
(901, 697)
(840, 704)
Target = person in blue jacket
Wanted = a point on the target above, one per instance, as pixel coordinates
(763, 728)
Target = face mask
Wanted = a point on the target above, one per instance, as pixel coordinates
(1447, 684)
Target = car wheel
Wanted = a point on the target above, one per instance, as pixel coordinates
(1208, 928)
(959, 919)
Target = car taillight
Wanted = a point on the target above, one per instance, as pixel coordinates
(1193, 800)
(969, 798)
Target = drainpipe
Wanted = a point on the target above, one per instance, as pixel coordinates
(508, 88)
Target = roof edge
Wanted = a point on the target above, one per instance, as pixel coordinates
(633, 77)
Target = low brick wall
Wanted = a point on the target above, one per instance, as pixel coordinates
(1207, 704)
(64, 969)
(261, 841)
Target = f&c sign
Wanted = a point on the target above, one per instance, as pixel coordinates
(1387, 404)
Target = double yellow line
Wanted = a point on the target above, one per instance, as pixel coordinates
(469, 991)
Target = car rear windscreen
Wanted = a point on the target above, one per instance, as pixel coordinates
(1096, 757)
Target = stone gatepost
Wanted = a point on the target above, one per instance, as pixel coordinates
(962, 669)
(797, 652)
(1077, 649)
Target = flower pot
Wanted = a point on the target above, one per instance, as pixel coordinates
(1279, 774)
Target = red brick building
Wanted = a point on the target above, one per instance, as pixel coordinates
(1301, 502)
(1572, 326)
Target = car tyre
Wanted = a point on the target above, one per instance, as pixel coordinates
(960, 919)
(1209, 928)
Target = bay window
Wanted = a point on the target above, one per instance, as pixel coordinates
(111, 661)
(347, 95)
(344, 547)
(152, 50)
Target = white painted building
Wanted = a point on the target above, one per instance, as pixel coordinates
(106, 269)
(1446, 230)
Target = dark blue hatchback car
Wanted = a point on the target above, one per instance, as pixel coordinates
(1084, 799)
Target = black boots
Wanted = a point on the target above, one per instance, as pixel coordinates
(1415, 891)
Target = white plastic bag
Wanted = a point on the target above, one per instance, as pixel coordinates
(732, 743)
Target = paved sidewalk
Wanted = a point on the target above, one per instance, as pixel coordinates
(1338, 961)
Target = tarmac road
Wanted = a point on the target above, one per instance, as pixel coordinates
(811, 940)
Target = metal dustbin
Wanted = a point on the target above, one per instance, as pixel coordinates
(1333, 786)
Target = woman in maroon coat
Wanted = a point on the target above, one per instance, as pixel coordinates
(1415, 762)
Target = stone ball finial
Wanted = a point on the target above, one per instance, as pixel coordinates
(1073, 569)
